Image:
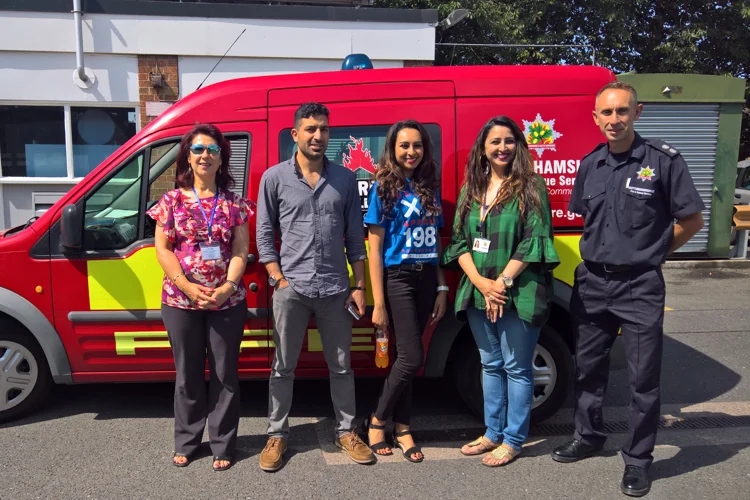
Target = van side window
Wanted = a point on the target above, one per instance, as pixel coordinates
(111, 212)
(358, 149)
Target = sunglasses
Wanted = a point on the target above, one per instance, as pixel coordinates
(198, 149)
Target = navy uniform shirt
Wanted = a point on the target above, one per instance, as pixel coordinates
(629, 202)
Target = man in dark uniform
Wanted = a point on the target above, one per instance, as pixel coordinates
(638, 203)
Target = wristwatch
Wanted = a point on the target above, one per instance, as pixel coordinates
(273, 281)
(507, 281)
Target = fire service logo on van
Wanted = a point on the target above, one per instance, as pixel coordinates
(359, 160)
(541, 135)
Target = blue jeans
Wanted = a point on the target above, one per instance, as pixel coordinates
(506, 349)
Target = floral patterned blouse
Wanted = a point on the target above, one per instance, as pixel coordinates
(185, 227)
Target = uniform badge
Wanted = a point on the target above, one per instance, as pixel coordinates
(645, 174)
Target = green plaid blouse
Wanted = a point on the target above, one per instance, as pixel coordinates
(510, 238)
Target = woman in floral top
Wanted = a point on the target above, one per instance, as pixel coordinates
(202, 245)
(502, 240)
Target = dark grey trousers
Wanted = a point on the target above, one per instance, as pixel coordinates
(193, 334)
(291, 313)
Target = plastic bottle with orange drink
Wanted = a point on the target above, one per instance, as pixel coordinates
(381, 348)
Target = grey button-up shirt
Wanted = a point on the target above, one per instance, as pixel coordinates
(319, 228)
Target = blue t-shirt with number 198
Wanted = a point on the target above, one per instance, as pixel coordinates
(410, 235)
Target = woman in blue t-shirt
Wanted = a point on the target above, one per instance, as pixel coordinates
(404, 218)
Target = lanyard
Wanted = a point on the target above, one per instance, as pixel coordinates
(210, 221)
(483, 216)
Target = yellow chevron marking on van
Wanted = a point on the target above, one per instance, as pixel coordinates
(314, 344)
(127, 342)
(567, 247)
(124, 284)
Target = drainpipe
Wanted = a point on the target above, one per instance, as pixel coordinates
(82, 76)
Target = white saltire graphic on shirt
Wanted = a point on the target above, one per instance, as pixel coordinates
(412, 207)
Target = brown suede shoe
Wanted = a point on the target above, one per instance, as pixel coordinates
(272, 456)
(356, 448)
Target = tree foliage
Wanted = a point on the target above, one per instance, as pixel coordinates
(643, 36)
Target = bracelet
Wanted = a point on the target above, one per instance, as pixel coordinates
(233, 284)
(358, 288)
(443, 288)
(176, 277)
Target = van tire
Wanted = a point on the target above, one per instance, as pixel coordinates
(15, 341)
(466, 369)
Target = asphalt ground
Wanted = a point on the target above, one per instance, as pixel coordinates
(115, 440)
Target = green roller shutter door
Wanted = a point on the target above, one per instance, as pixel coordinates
(693, 130)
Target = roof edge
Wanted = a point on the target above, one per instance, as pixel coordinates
(231, 10)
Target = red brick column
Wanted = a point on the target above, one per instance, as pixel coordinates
(169, 90)
(416, 64)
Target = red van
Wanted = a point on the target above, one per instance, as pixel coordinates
(80, 286)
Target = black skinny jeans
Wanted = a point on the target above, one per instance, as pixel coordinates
(409, 300)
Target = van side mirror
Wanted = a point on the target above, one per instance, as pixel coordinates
(71, 229)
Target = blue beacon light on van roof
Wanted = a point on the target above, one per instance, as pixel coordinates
(356, 61)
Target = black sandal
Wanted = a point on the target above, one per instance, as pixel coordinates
(407, 453)
(177, 464)
(217, 459)
(367, 424)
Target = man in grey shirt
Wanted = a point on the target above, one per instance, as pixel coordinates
(313, 205)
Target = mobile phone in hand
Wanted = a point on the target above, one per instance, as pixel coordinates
(352, 308)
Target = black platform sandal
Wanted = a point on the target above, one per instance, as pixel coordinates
(181, 464)
(407, 453)
(221, 459)
(367, 424)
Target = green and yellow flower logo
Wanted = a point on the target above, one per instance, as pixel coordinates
(540, 135)
(646, 174)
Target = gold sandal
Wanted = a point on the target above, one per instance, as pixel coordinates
(486, 446)
(500, 453)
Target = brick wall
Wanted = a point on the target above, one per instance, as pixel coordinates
(168, 92)
(416, 64)
(162, 184)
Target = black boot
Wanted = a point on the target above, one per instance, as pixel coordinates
(635, 481)
(573, 451)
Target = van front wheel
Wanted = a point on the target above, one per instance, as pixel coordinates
(24, 376)
(552, 368)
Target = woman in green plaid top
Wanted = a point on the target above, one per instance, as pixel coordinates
(502, 240)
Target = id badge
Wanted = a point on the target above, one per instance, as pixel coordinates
(210, 251)
(481, 245)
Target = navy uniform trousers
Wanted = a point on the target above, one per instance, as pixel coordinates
(603, 302)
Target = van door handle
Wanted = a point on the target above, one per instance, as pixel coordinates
(252, 259)
(253, 287)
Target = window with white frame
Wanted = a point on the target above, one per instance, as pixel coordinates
(60, 141)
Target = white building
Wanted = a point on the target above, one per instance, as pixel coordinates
(140, 56)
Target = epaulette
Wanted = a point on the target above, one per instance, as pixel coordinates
(662, 147)
(596, 150)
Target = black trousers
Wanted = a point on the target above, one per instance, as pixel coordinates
(410, 299)
(602, 303)
(192, 335)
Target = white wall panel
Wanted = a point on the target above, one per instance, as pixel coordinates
(194, 69)
(28, 76)
(122, 34)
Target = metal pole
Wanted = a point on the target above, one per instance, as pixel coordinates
(519, 45)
